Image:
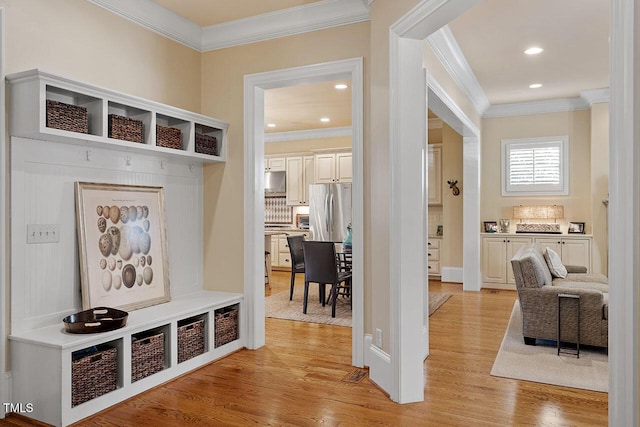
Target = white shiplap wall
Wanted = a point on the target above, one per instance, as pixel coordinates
(45, 278)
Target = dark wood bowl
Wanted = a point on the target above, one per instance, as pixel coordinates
(98, 319)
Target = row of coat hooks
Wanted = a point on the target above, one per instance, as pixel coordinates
(127, 161)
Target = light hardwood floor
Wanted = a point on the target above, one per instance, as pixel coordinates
(298, 379)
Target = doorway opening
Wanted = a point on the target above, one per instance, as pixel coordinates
(254, 136)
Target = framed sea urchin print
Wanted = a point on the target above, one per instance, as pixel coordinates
(122, 241)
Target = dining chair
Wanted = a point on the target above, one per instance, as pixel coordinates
(297, 259)
(320, 266)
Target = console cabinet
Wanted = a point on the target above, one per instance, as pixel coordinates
(499, 248)
(52, 350)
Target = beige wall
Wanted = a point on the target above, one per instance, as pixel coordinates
(576, 125)
(600, 184)
(285, 147)
(451, 252)
(222, 96)
(84, 42)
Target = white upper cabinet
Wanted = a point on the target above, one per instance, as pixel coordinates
(299, 176)
(275, 164)
(333, 167)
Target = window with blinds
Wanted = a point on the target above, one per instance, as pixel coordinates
(535, 166)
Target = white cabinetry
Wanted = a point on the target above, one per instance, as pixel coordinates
(282, 258)
(275, 164)
(300, 173)
(333, 167)
(572, 251)
(31, 90)
(433, 257)
(435, 174)
(41, 359)
(498, 249)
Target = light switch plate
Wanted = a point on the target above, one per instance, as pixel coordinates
(43, 233)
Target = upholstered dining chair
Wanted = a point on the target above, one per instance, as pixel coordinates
(320, 267)
(297, 259)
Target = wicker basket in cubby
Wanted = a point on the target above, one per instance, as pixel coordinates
(125, 128)
(226, 325)
(190, 339)
(147, 356)
(168, 137)
(93, 373)
(206, 144)
(72, 118)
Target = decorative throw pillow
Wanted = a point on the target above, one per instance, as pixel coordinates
(556, 267)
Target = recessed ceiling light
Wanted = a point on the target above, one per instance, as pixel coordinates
(341, 86)
(325, 120)
(271, 125)
(533, 50)
(535, 85)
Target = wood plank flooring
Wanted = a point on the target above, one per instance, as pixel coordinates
(298, 379)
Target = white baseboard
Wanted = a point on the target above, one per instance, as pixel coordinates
(452, 274)
(5, 391)
(379, 367)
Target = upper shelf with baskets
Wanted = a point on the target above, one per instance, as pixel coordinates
(45, 106)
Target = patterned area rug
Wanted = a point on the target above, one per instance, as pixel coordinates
(541, 363)
(278, 306)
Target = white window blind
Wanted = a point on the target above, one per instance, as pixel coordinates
(535, 166)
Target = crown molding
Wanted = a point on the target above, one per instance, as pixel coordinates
(154, 17)
(295, 20)
(448, 51)
(300, 135)
(286, 22)
(536, 107)
(595, 96)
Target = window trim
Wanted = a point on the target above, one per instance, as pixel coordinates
(561, 189)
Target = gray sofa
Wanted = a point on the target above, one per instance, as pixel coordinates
(538, 294)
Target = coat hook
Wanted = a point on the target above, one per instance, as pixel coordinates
(191, 166)
(88, 155)
(453, 186)
(161, 164)
(128, 160)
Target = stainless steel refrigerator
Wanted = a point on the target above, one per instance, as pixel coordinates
(329, 211)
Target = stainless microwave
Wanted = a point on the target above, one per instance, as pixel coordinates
(275, 183)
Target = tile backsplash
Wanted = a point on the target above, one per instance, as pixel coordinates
(276, 211)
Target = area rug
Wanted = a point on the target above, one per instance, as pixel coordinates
(278, 306)
(541, 364)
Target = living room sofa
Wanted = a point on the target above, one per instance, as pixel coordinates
(538, 295)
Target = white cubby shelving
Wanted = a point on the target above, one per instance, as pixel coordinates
(51, 349)
(29, 91)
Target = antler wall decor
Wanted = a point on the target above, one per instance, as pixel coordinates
(454, 187)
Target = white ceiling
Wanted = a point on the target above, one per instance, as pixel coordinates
(483, 48)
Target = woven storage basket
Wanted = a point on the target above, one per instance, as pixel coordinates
(147, 356)
(190, 340)
(168, 137)
(94, 375)
(226, 325)
(206, 144)
(125, 129)
(67, 117)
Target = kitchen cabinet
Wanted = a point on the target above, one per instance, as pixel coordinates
(433, 256)
(572, 250)
(434, 159)
(333, 167)
(300, 173)
(275, 164)
(499, 248)
(280, 255)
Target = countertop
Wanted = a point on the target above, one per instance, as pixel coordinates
(272, 231)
